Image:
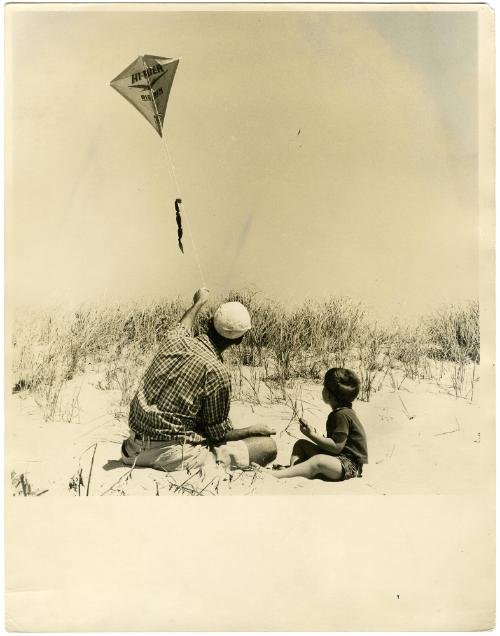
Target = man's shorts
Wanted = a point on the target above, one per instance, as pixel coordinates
(174, 455)
(350, 468)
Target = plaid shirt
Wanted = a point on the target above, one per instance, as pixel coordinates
(185, 393)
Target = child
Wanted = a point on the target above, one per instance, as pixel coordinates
(342, 452)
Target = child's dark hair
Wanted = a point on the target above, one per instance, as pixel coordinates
(343, 384)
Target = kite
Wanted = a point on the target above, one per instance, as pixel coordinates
(146, 84)
(179, 223)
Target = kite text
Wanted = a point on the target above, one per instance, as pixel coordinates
(157, 93)
(147, 73)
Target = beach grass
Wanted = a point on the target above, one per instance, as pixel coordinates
(285, 344)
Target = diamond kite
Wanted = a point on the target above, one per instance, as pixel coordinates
(146, 84)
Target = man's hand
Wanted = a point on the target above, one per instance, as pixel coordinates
(262, 429)
(199, 299)
(201, 296)
(256, 430)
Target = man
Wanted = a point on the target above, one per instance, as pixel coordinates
(179, 417)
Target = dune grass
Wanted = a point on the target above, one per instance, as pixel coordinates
(285, 344)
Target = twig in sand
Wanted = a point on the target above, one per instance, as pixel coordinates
(123, 477)
(182, 486)
(455, 430)
(76, 481)
(204, 487)
(387, 455)
(80, 480)
(254, 387)
(22, 481)
(472, 382)
(293, 405)
(90, 470)
(407, 412)
(25, 486)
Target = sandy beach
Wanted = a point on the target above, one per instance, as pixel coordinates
(421, 439)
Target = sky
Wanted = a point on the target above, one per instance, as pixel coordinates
(375, 199)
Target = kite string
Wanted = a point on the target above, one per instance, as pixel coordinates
(186, 216)
(171, 169)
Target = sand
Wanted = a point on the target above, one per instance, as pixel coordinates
(421, 439)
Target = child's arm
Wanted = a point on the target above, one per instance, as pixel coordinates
(325, 443)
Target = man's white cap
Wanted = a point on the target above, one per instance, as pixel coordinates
(232, 320)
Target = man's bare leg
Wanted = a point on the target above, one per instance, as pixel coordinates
(261, 450)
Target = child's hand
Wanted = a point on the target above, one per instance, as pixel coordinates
(305, 428)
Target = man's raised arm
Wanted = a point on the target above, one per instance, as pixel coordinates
(199, 299)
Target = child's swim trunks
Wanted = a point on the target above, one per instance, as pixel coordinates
(351, 469)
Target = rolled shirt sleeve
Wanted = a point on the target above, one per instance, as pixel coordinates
(215, 406)
(179, 330)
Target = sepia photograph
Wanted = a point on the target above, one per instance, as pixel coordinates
(249, 253)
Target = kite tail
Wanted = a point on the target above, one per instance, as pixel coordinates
(179, 224)
(185, 214)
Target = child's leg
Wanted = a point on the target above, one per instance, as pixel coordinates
(325, 465)
(302, 450)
